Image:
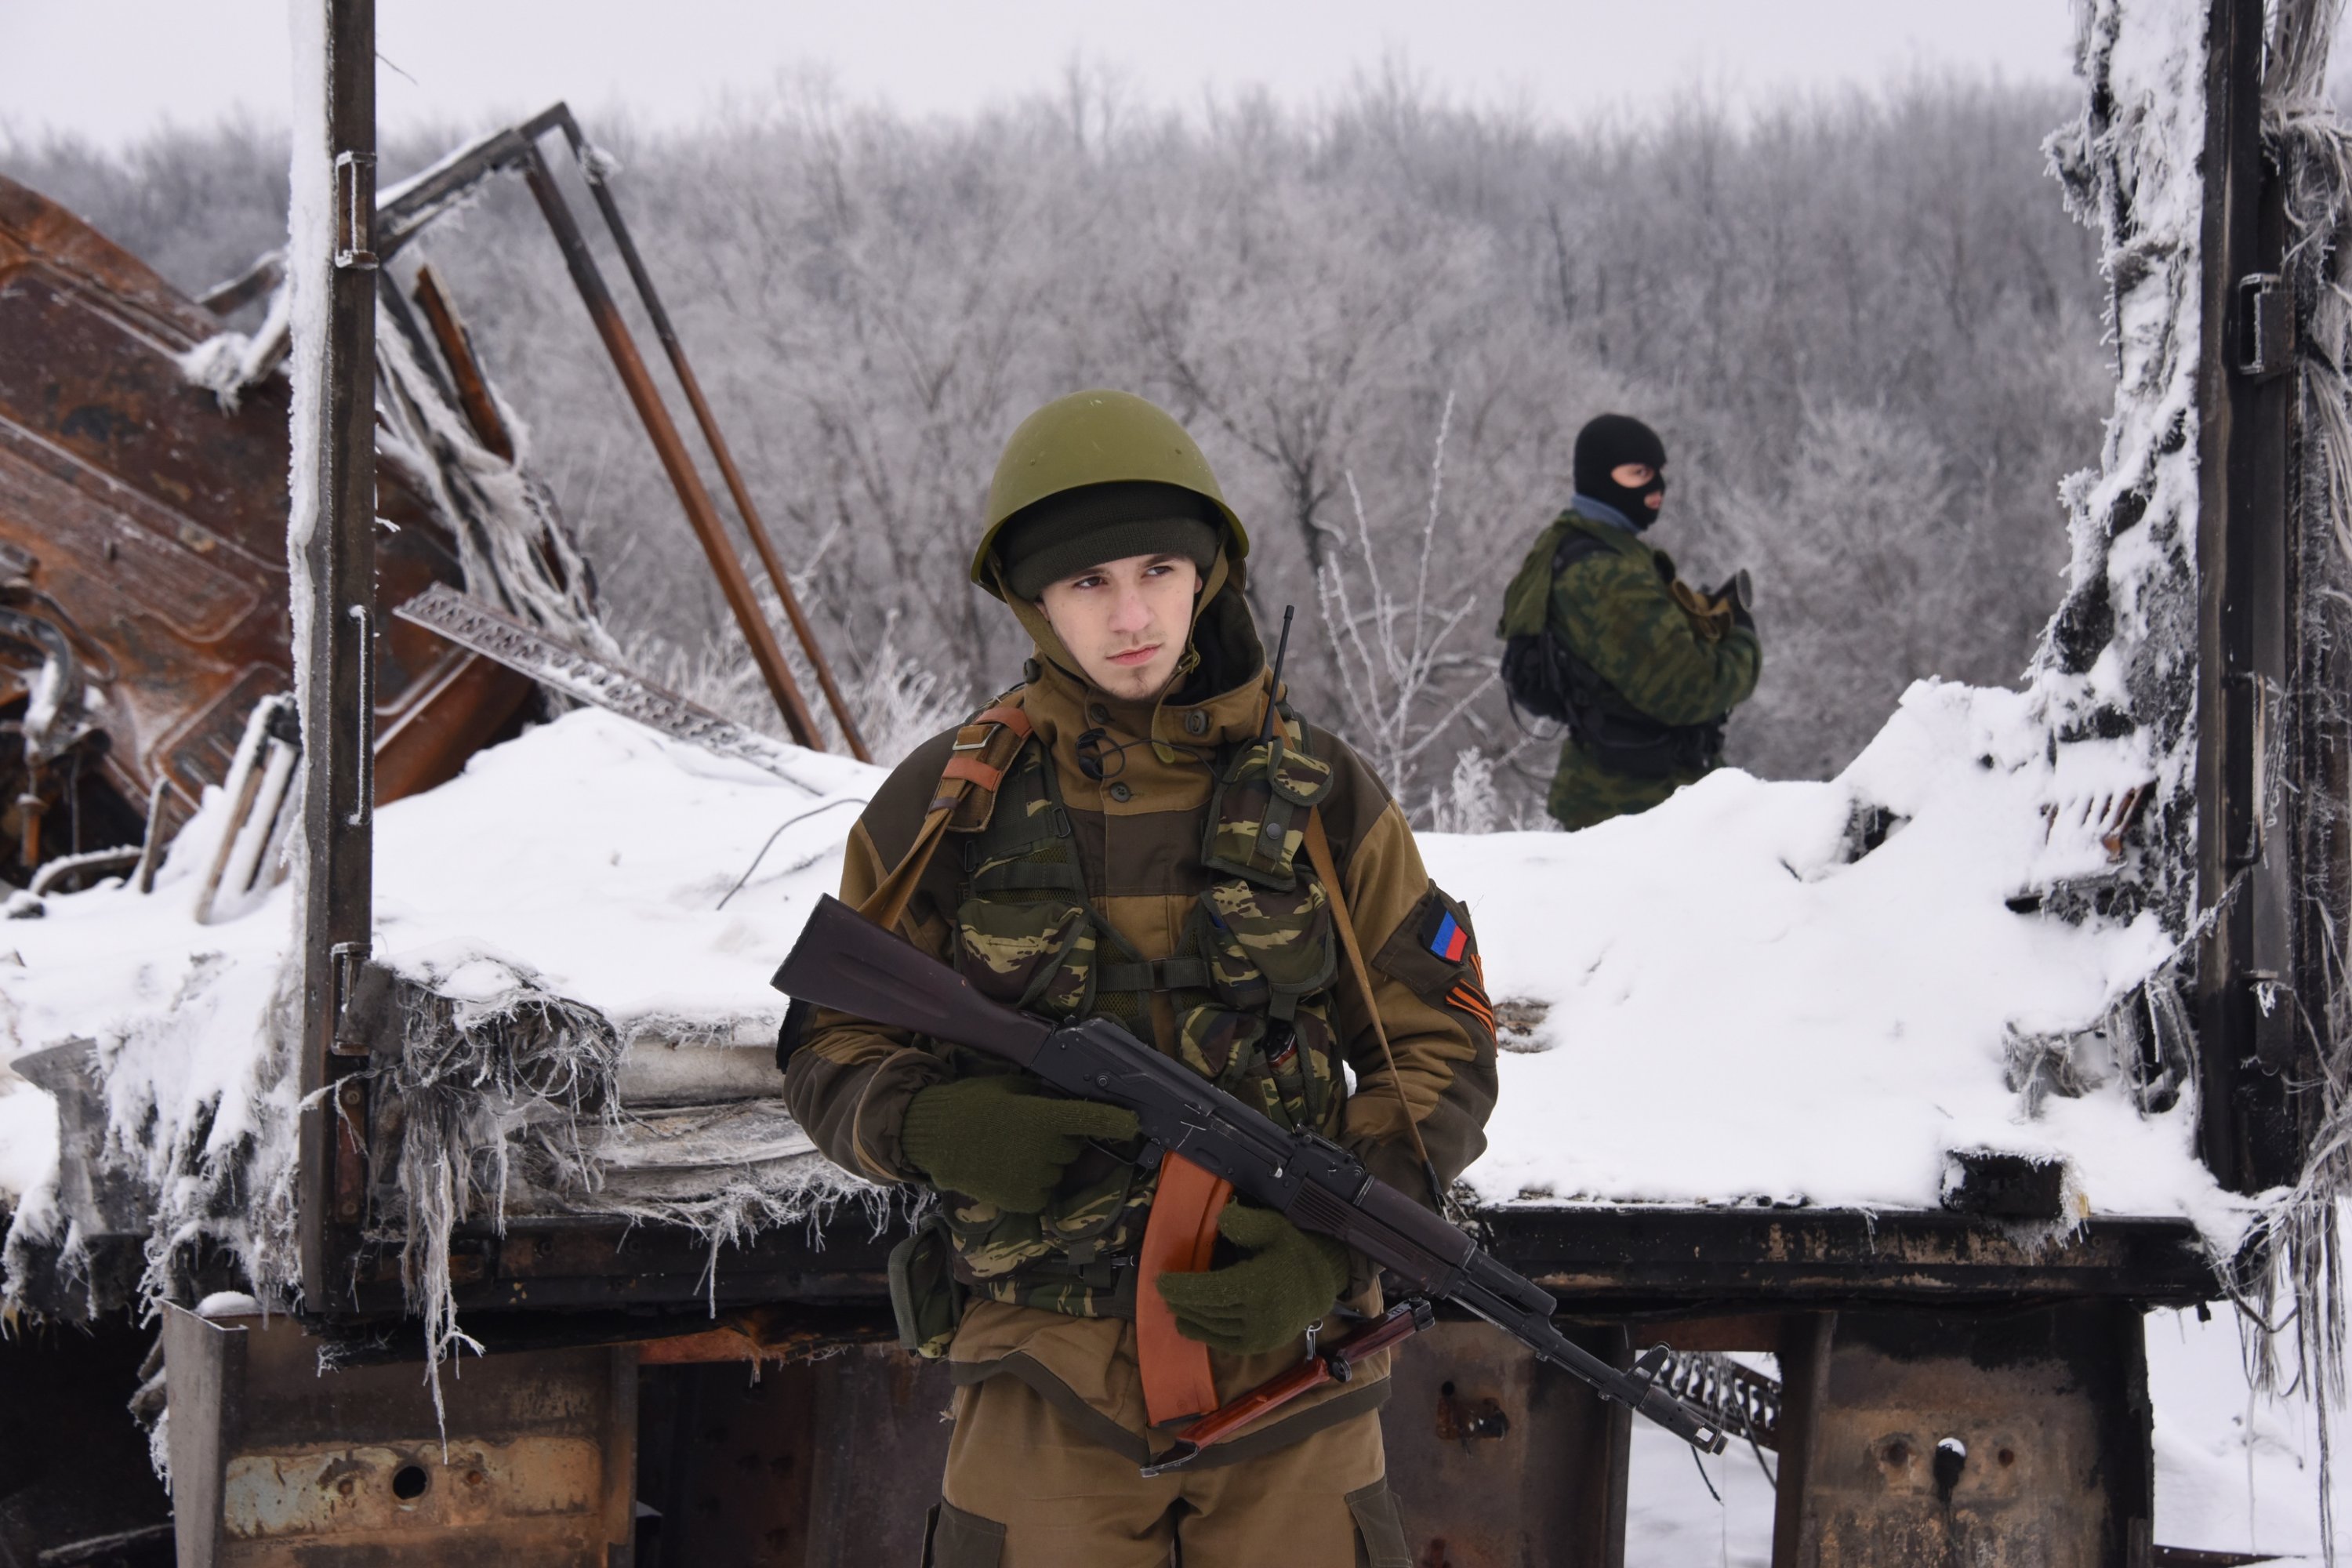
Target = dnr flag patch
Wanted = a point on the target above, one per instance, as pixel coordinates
(1450, 941)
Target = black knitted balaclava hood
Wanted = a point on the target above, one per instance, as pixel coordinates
(1609, 442)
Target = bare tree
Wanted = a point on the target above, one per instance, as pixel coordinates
(1864, 324)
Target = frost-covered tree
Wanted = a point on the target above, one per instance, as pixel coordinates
(1886, 280)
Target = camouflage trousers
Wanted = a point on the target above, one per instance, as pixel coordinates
(1025, 1489)
(1584, 793)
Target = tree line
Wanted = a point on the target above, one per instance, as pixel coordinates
(1871, 336)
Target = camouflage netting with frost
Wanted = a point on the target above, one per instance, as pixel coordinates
(2118, 663)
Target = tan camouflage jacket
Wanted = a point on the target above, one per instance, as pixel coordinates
(1139, 833)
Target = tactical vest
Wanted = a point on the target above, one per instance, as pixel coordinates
(1251, 985)
(1544, 673)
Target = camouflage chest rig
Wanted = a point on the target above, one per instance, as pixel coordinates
(1250, 985)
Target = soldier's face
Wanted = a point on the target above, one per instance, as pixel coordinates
(1634, 476)
(1126, 621)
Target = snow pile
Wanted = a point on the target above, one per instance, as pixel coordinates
(597, 847)
(188, 1022)
(1737, 1002)
(1733, 1006)
(593, 854)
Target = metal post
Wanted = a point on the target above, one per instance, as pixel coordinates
(417, 205)
(2248, 1016)
(333, 661)
(669, 447)
(736, 487)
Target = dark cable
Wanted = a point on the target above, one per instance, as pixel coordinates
(779, 832)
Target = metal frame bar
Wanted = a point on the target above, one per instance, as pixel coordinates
(334, 668)
(560, 116)
(417, 204)
(2249, 1022)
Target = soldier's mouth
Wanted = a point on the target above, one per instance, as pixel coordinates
(1135, 655)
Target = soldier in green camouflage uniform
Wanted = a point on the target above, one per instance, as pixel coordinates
(1141, 856)
(1654, 667)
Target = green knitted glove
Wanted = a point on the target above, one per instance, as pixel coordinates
(1289, 1279)
(1002, 1139)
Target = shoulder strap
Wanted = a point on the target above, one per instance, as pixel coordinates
(1318, 855)
(1575, 545)
(966, 795)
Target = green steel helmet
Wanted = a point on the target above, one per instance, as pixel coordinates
(1090, 439)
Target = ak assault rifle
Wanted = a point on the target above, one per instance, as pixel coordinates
(847, 962)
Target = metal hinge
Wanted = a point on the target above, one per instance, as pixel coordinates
(2275, 1017)
(2249, 734)
(2266, 326)
(355, 210)
(347, 960)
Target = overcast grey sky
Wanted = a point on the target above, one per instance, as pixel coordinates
(112, 69)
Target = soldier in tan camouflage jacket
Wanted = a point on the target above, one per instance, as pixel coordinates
(1142, 857)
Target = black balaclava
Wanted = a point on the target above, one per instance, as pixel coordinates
(1610, 442)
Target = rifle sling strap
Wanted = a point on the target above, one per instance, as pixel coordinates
(983, 750)
(1318, 855)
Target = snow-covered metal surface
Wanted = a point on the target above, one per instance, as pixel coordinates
(1739, 1002)
(1722, 1001)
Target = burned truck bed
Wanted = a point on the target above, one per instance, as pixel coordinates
(570, 1155)
(144, 539)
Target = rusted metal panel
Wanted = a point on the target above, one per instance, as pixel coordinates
(277, 1462)
(804, 1467)
(148, 522)
(1498, 1462)
(369, 1490)
(2012, 1441)
(141, 518)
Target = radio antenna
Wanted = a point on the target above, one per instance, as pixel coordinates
(1281, 651)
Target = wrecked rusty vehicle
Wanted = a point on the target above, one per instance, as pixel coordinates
(143, 519)
(673, 1319)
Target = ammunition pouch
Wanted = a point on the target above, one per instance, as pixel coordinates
(926, 1297)
(1250, 985)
